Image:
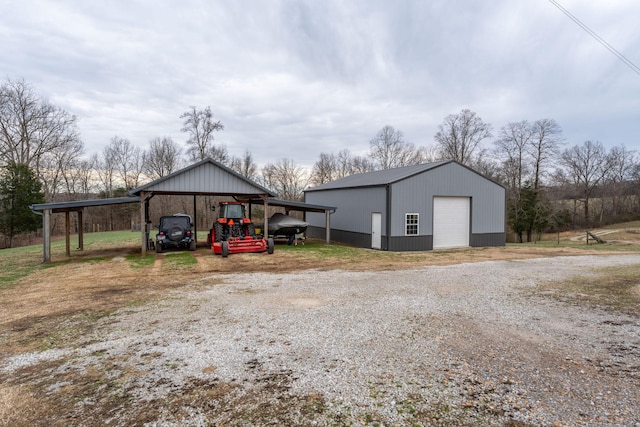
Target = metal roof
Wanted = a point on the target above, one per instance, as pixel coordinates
(79, 204)
(302, 206)
(204, 177)
(378, 178)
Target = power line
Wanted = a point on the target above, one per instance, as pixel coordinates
(599, 39)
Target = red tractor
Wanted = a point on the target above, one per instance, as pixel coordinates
(234, 233)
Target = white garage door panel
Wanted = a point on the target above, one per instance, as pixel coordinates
(451, 217)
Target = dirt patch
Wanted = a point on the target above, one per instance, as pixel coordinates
(71, 296)
(60, 307)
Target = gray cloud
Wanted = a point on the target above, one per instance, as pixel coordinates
(297, 78)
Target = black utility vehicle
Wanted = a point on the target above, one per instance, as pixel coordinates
(175, 232)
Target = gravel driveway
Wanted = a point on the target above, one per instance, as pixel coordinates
(445, 345)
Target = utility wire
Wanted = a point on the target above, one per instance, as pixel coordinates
(600, 40)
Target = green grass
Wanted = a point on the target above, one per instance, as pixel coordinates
(16, 263)
(179, 260)
(137, 261)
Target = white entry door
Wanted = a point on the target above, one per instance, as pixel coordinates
(451, 220)
(376, 230)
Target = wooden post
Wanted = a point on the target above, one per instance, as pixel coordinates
(265, 232)
(195, 220)
(46, 236)
(143, 224)
(80, 231)
(67, 232)
(327, 225)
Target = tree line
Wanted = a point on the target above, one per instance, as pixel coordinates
(549, 183)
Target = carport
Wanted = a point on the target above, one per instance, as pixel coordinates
(210, 178)
(77, 206)
(205, 178)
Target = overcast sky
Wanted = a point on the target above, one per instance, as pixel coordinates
(293, 79)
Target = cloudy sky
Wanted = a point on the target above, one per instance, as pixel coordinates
(292, 79)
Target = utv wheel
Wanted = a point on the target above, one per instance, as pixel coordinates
(225, 249)
(158, 248)
(192, 245)
(270, 246)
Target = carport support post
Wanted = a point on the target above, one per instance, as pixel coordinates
(327, 227)
(80, 231)
(265, 200)
(67, 232)
(195, 220)
(46, 236)
(143, 222)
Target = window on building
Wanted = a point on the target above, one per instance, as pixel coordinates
(411, 224)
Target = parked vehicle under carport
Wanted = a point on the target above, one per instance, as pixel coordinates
(175, 231)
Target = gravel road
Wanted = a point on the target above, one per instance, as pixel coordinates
(465, 344)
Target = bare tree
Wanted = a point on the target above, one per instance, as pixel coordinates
(325, 169)
(219, 153)
(331, 167)
(286, 178)
(245, 165)
(546, 137)
(161, 158)
(348, 164)
(344, 163)
(622, 162)
(82, 177)
(389, 149)
(128, 161)
(31, 128)
(586, 166)
(106, 169)
(58, 169)
(460, 135)
(200, 126)
(511, 148)
(361, 164)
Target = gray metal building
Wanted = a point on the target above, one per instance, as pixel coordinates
(423, 207)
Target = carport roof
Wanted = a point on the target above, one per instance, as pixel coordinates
(296, 206)
(205, 177)
(79, 204)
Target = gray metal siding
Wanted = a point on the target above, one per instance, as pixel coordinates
(355, 206)
(207, 178)
(415, 195)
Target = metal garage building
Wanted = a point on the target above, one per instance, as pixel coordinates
(429, 206)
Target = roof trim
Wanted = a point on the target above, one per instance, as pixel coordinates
(79, 204)
(307, 207)
(263, 190)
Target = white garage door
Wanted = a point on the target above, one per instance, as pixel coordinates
(451, 218)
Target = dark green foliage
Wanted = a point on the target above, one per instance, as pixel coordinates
(528, 213)
(19, 188)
